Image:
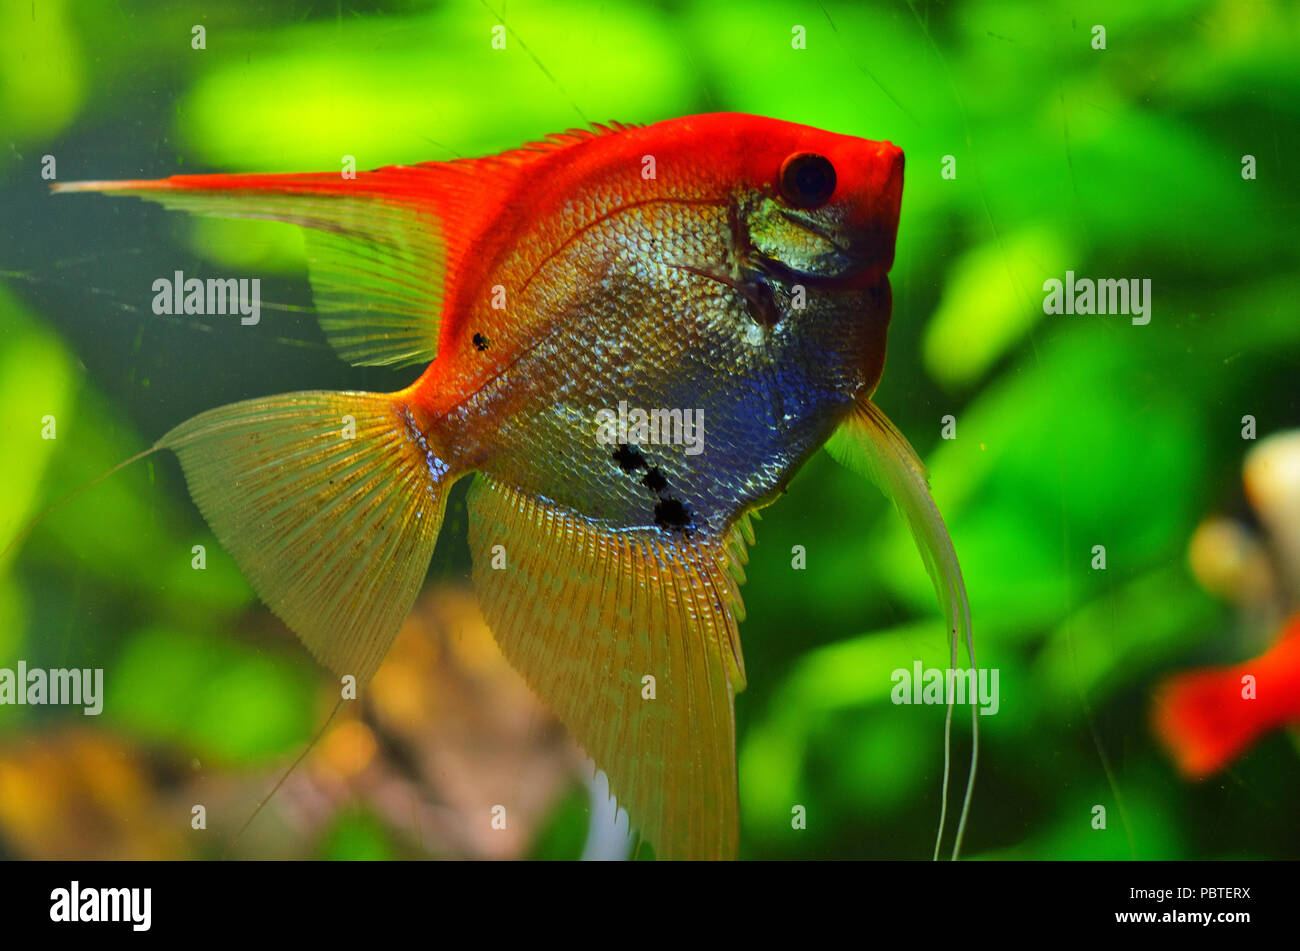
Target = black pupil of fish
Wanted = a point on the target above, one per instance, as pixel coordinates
(807, 179)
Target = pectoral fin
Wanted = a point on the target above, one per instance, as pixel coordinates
(869, 444)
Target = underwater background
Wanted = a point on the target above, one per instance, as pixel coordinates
(1070, 431)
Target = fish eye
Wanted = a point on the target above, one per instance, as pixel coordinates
(807, 179)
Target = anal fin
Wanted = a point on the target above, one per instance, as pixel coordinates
(586, 615)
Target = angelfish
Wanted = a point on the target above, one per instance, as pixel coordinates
(728, 264)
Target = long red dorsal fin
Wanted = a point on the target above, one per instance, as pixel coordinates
(384, 246)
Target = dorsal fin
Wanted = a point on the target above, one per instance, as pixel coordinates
(381, 244)
(531, 151)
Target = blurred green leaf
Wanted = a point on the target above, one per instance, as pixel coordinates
(392, 89)
(1050, 461)
(993, 297)
(563, 834)
(357, 836)
(210, 695)
(41, 73)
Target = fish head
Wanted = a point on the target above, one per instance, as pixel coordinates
(734, 267)
(814, 219)
(821, 207)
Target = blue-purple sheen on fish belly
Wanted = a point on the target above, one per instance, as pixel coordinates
(679, 324)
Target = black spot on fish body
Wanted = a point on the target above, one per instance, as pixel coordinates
(481, 342)
(654, 480)
(671, 514)
(629, 458)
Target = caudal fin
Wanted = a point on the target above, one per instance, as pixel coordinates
(330, 503)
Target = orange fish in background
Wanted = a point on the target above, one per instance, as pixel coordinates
(1207, 718)
(729, 266)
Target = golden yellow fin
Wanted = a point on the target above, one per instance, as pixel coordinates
(330, 503)
(587, 615)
